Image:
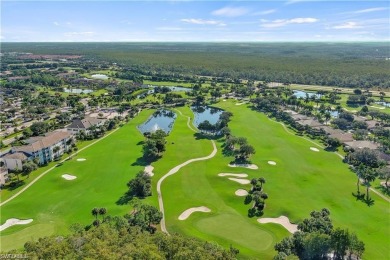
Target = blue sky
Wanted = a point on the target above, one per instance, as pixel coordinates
(239, 21)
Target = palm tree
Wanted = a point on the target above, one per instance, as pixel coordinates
(95, 212)
(368, 176)
(359, 173)
(102, 211)
(262, 181)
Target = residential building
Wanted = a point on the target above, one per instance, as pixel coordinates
(3, 175)
(14, 161)
(84, 124)
(46, 148)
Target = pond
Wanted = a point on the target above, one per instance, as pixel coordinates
(386, 104)
(99, 76)
(203, 113)
(334, 114)
(302, 94)
(77, 90)
(161, 119)
(174, 89)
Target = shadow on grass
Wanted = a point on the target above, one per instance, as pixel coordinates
(383, 190)
(141, 161)
(124, 200)
(362, 197)
(201, 136)
(13, 185)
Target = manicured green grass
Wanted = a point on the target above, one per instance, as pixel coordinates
(167, 83)
(302, 181)
(101, 181)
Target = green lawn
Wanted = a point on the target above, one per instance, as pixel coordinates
(167, 83)
(101, 181)
(301, 181)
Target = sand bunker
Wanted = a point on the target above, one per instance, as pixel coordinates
(282, 220)
(224, 100)
(314, 149)
(241, 192)
(239, 104)
(81, 159)
(241, 181)
(271, 162)
(68, 177)
(248, 166)
(188, 212)
(14, 221)
(239, 175)
(149, 170)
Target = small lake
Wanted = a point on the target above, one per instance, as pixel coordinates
(99, 76)
(174, 89)
(302, 94)
(386, 104)
(334, 114)
(78, 90)
(161, 119)
(203, 113)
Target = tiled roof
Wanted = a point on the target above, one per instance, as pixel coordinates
(40, 143)
(17, 155)
(84, 123)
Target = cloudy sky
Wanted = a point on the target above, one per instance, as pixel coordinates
(239, 21)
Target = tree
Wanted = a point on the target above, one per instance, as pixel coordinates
(28, 167)
(95, 212)
(140, 186)
(39, 128)
(368, 175)
(102, 212)
(384, 173)
(364, 156)
(340, 242)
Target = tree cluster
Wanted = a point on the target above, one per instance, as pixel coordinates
(115, 238)
(154, 145)
(258, 196)
(140, 186)
(317, 239)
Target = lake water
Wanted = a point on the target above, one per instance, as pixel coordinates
(78, 91)
(203, 113)
(386, 104)
(161, 119)
(302, 94)
(99, 76)
(174, 89)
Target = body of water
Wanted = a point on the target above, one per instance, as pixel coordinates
(386, 104)
(78, 90)
(161, 119)
(302, 94)
(99, 76)
(203, 113)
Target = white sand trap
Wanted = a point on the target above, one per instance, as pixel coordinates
(14, 221)
(248, 166)
(282, 220)
(239, 175)
(314, 149)
(239, 104)
(271, 162)
(68, 177)
(188, 212)
(224, 100)
(81, 159)
(149, 170)
(240, 181)
(241, 192)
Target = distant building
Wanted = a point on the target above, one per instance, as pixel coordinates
(44, 148)
(362, 144)
(3, 175)
(84, 124)
(14, 161)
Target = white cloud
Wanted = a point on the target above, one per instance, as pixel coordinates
(270, 11)
(71, 34)
(56, 23)
(203, 22)
(369, 10)
(230, 11)
(290, 2)
(283, 22)
(347, 25)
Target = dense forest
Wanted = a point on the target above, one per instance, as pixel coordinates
(364, 65)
